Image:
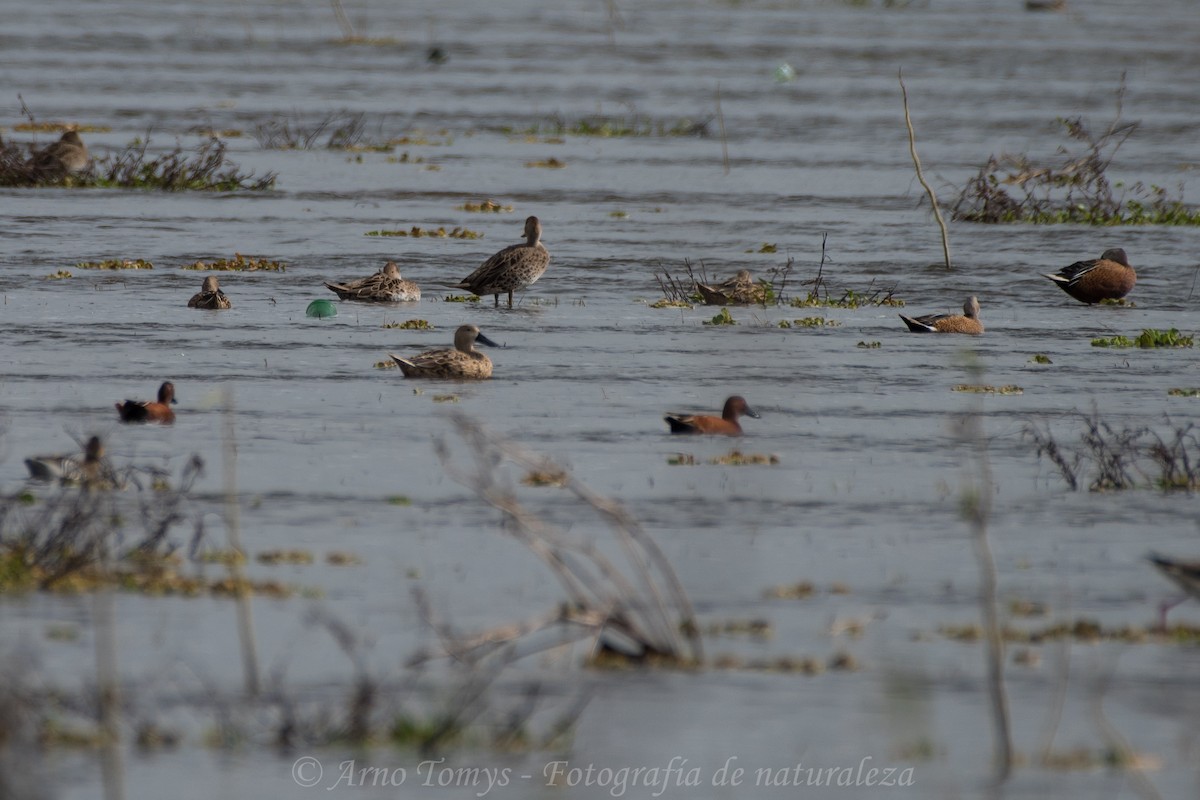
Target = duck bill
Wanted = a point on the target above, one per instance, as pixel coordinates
(750, 412)
(481, 339)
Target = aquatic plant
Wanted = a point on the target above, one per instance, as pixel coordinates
(605, 126)
(975, 388)
(410, 325)
(1072, 188)
(549, 163)
(722, 317)
(1110, 458)
(61, 274)
(1150, 337)
(816, 322)
(116, 264)
(1184, 392)
(239, 263)
(484, 206)
(418, 232)
(1040, 358)
(206, 169)
(872, 345)
(461, 298)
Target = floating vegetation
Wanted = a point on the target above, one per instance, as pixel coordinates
(275, 557)
(600, 125)
(410, 325)
(848, 299)
(722, 317)
(1150, 337)
(664, 303)
(404, 158)
(736, 458)
(116, 263)
(816, 322)
(870, 345)
(389, 364)
(445, 398)
(795, 591)
(418, 232)
(757, 628)
(1073, 188)
(239, 263)
(1183, 392)
(461, 298)
(1040, 358)
(337, 558)
(552, 475)
(1111, 459)
(485, 206)
(211, 133)
(399, 500)
(549, 163)
(766, 248)
(619, 214)
(62, 274)
(1080, 630)
(988, 389)
(58, 127)
(1118, 301)
(1020, 607)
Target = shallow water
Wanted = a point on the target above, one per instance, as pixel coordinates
(871, 472)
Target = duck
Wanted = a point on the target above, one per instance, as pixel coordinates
(385, 286)
(724, 425)
(210, 297)
(514, 267)
(147, 411)
(740, 290)
(966, 322)
(1184, 574)
(464, 362)
(89, 469)
(64, 157)
(1108, 277)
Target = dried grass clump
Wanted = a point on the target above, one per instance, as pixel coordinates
(633, 609)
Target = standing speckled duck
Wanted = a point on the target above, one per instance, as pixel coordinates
(513, 268)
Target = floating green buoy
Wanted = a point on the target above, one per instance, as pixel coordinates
(321, 309)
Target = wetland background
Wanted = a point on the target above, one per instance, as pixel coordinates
(602, 119)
